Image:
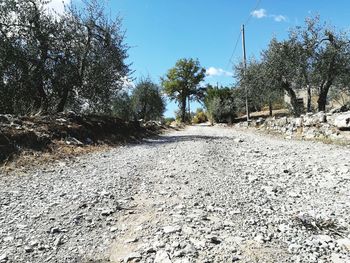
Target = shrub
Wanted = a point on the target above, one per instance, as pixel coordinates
(200, 117)
(168, 121)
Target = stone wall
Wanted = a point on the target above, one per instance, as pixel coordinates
(309, 126)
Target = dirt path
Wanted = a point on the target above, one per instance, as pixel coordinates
(205, 194)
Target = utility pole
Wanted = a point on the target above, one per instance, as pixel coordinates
(245, 67)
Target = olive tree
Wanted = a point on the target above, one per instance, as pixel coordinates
(220, 104)
(181, 83)
(147, 101)
(51, 62)
(323, 57)
(256, 83)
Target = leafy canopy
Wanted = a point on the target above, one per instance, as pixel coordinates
(182, 82)
(147, 101)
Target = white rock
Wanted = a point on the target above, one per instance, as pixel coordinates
(324, 238)
(336, 258)
(343, 121)
(182, 260)
(344, 243)
(259, 239)
(114, 228)
(171, 229)
(131, 256)
(3, 257)
(238, 140)
(162, 257)
(283, 228)
(187, 230)
(131, 240)
(198, 243)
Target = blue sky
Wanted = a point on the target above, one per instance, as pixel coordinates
(162, 31)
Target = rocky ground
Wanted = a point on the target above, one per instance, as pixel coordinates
(205, 194)
(35, 135)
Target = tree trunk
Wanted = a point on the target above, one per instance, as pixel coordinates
(40, 102)
(144, 112)
(270, 108)
(322, 98)
(309, 106)
(63, 101)
(183, 109)
(293, 98)
(327, 83)
(308, 89)
(189, 107)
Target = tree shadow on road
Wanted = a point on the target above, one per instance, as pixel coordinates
(166, 139)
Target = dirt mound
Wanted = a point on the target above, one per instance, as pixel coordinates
(41, 133)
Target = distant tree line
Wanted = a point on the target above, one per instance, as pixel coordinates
(76, 61)
(315, 56)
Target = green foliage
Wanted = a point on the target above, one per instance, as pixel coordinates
(340, 95)
(261, 89)
(220, 104)
(181, 83)
(179, 116)
(169, 120)
(50, 63)
(314, 56)
(122, 106)
(282, 69)
(147, 102)
(199, 117)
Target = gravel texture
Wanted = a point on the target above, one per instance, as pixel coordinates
(205, 194)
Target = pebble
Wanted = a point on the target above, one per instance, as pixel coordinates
(223, 201)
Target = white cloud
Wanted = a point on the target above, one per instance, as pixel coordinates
(212, 71)
(279, 18)
(58, 5)
(260, 13)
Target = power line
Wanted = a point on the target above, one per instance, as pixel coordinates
(234, 49)
(258, 2)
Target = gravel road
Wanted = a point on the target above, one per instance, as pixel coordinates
(204, 194)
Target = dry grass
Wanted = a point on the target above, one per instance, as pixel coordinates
(319, 225)
(59, 150)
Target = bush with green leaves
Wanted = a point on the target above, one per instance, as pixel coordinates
(199, 117)
(168, 121)
(147, 101)
(122, 106)
(256, 83)
(220, 104)
(179, 116)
